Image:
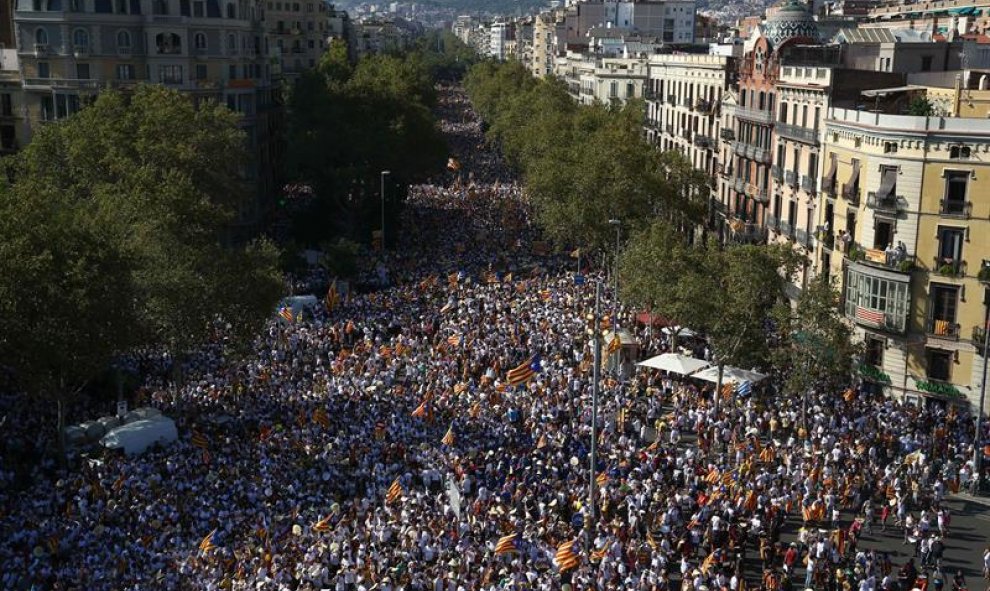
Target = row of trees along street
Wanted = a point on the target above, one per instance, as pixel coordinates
(584, 165)
(349, 122)
(114, 222)
(112, 239)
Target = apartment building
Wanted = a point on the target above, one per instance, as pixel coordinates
(12, 124)
(608, 80)
(544, 30)
(70, 49)
(673, 21)
(684, 95)
(941, 17)
(300, 31)
(904, 231)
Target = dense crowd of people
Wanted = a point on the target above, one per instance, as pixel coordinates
(379, 445)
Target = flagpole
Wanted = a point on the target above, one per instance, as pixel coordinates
(589, 516)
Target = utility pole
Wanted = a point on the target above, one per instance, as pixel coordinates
(589, 516)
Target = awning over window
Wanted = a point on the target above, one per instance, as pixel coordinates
(887, 183)
(833, 164)
(854, 176)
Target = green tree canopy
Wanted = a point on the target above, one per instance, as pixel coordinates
(113, 237)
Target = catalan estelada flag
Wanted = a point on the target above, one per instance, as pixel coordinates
(475, 411)
(566, 558)
(601, 479)
(207, 544)
(286, 313)
(454, 340)
(320, 416)
(614, 345)
(506, 545)
(448, 439)
(394, 492)
(524, 371)
(421, 410)
(333, 298)
(598, 555)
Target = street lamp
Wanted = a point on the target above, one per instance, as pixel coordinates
(977, 450)
(384, 174)
(615, 294)
(589, 515)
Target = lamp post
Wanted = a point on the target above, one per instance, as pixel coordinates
(589, 516)
(384, 174)
(615, 289)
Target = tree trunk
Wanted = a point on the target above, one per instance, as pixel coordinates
(60, 422)
(718, 397)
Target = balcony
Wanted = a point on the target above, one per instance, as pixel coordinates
(827, 240)
(955, 208)
(941, 328)
(796, 133)
(777, 173)
(791, 178)
(772, 222)
(850, 193)
(890, 204)
(669, 129)
(62, 83)
(703, 141)
(980, 339)
(672, 99)
(786, 228)
(808, 184)
(803, 237)
(123, 51)
(42, 50)
(745, 232)
(828, 187)
(727, 135)
(753, 115)
(878, 258)
(761, 155)
(740, 186)
(947, 267)
(756, 193)
(687, 102)
(649, 93)
(739, 149)
(703, 106)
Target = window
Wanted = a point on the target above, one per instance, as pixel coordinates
(943, 302)
(199, 41)
(938, 364)
(82, 71)
(873, 355)
(231, 11)
(890, 147)
(959, 152)
(125, 72)
(80, 39)
(956, 185)
(877, 301)
(926, 63)
(950, 246)
(231, 44)
(783, 112)
(168, 43)
(104, 7)
(8, 137)
(44, 71)
(199, 9)
(47, 108)
(170, 74)
(159, 7)
(200, 71)
(41, 37)
(6, 105)
(232, 72)
(813, 167)
(883, 233)
(123, 40)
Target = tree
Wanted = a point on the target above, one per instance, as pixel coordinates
(921, 107)
(815, 346)
(114, 233)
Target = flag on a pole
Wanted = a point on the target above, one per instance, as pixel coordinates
(506, 545)
(200, 440)
(524, 372)
(454, 340)
(601, 479)
(576, 253)
(448, 439)
(207, 544)
(286, 313)
(566, 558)
(394, 492)
(744, 389)
(598, 555)
(614, 345)
(323, 525)
(333, 298)
(422, 409)
(380, 430)
(320, 416)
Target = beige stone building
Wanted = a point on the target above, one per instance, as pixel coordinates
(300, 31)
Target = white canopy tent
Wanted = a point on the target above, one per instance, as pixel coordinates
(729, 374)
(682, 331)
(675, 362)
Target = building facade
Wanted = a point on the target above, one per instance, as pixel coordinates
(70, 49)
(904, 228)
(300, 31)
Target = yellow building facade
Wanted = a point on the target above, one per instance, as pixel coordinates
(904, 229)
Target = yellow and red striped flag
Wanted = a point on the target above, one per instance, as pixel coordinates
(320, 416)
(506, 545)
(394, 492)
(448, 439)
(200, 440)
(566, 558)
(323, 525)
(420, 411)
(454, 340)
(598, 555)
(207, 544)
(614, 345)
(286, 314)
(524, 372)
(601, 479)
(475, 411)
(650, 540)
